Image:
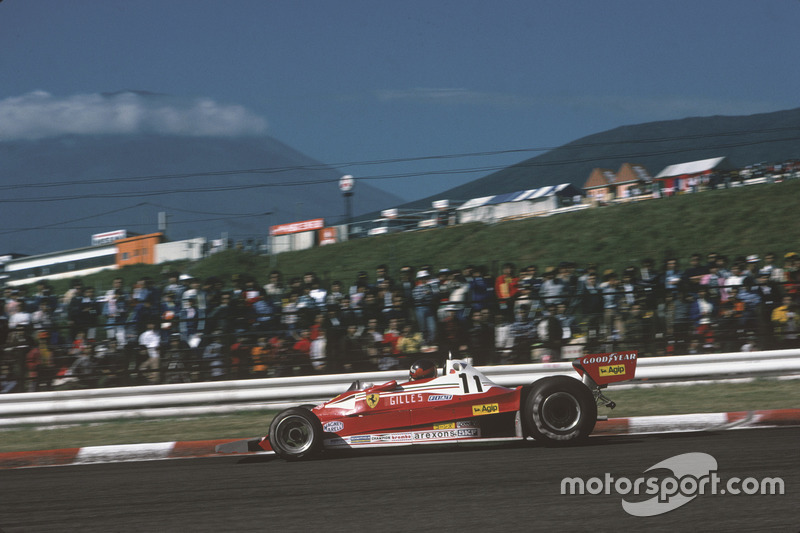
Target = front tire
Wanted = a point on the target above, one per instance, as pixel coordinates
(559, 410)
(295, 433)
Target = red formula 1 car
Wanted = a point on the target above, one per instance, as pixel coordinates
(459, 405)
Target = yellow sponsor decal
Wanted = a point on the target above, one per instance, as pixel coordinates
(486, 409)
(449, 425)
(612, 370)
(373, 399)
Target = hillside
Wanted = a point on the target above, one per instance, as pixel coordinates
(734, 222)
(108, 182)
(744, 140)
(211, 186)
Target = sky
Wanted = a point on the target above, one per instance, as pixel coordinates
(452, 87)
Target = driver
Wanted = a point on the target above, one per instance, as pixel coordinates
(422, 369)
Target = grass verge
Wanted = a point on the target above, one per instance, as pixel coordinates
(664, 400)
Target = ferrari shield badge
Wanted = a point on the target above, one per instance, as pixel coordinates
(373, 398)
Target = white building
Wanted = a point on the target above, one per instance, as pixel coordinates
(519, 204)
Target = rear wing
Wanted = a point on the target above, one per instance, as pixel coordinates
(598, 370)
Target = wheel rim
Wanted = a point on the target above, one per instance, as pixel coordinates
(295, 434)
(561, 411)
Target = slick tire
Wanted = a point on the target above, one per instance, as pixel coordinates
(559, 411)
(295, 434)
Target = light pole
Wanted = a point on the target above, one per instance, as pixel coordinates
(346, 184)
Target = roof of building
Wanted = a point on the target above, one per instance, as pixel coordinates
(694, 167)
(600, 177)
(632, 173)
(563, 189)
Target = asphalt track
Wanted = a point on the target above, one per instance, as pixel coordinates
(509, 487)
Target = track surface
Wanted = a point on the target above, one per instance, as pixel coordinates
(508, 487)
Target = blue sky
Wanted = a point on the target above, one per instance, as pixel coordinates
(356, 81)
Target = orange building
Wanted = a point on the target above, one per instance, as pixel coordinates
(632, 179)
(605, 186)
(600, 185)
(140, 249)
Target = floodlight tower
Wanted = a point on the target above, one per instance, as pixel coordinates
(346, 184)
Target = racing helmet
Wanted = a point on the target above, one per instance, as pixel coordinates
(422, 369)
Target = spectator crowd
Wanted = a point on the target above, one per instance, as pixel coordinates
(188, 329)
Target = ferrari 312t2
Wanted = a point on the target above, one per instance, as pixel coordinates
(460, 404)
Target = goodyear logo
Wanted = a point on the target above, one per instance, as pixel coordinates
(486, 409)
(449, 425)
(612, 370)
(373, 399)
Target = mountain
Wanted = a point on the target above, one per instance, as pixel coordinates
(55, 192)
(744, 140)
(58, 191)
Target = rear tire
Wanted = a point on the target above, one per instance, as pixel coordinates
(559, 410)
(295, 433)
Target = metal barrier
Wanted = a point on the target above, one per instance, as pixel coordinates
(77, 406)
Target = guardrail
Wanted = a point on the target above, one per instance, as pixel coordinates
(186, 399)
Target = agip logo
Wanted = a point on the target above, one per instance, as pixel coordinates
(612, 370)
(486, 409)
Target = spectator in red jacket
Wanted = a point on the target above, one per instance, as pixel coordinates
(301, 349)
(506, 287)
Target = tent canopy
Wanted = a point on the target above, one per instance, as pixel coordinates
(564, 189)
(694, 167)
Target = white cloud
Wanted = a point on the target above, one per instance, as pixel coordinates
(39, 114)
